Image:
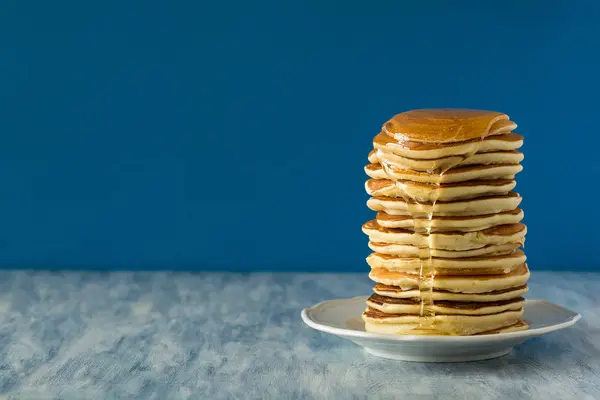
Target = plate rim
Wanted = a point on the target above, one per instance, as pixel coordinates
(528, 333)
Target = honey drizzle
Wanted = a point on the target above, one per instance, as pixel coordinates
(416, 209)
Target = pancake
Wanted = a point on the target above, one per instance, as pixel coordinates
(430, 151)
(489, 265)
(373, 157)
(443, 324)
(438, 224)
(447, 163)
(456, 241)
(391, 305)
(458, 174)
(448, 229)
(423, 192)
(445, 295)
(455, 284)
(404, 250)
(447, 125)
(480, 206)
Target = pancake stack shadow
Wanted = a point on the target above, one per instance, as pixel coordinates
(447, 237)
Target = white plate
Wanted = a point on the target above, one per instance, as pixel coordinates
(343, 318)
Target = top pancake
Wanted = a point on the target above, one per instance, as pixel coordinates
(447, 125)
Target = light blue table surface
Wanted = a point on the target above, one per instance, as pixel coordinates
(169, 335)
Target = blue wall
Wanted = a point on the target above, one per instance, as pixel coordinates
(232, 135)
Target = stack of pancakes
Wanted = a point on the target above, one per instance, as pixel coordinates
(446, 240)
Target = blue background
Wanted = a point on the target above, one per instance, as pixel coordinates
(232, 135)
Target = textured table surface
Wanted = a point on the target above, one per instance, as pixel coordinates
(162, 335)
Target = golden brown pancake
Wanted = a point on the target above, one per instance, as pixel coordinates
(432, 151)
(473, 283)
(441, 294)
(445, 164)
(391, 305)
(457, 174)
(406, 250)
(439, 224)
(479, 206)
(447, 125)
(441, 324)
(452, 240)
(384, 141)
(428, 193)
(488, 265)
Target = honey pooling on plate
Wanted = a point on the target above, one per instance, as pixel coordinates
(446, 239)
